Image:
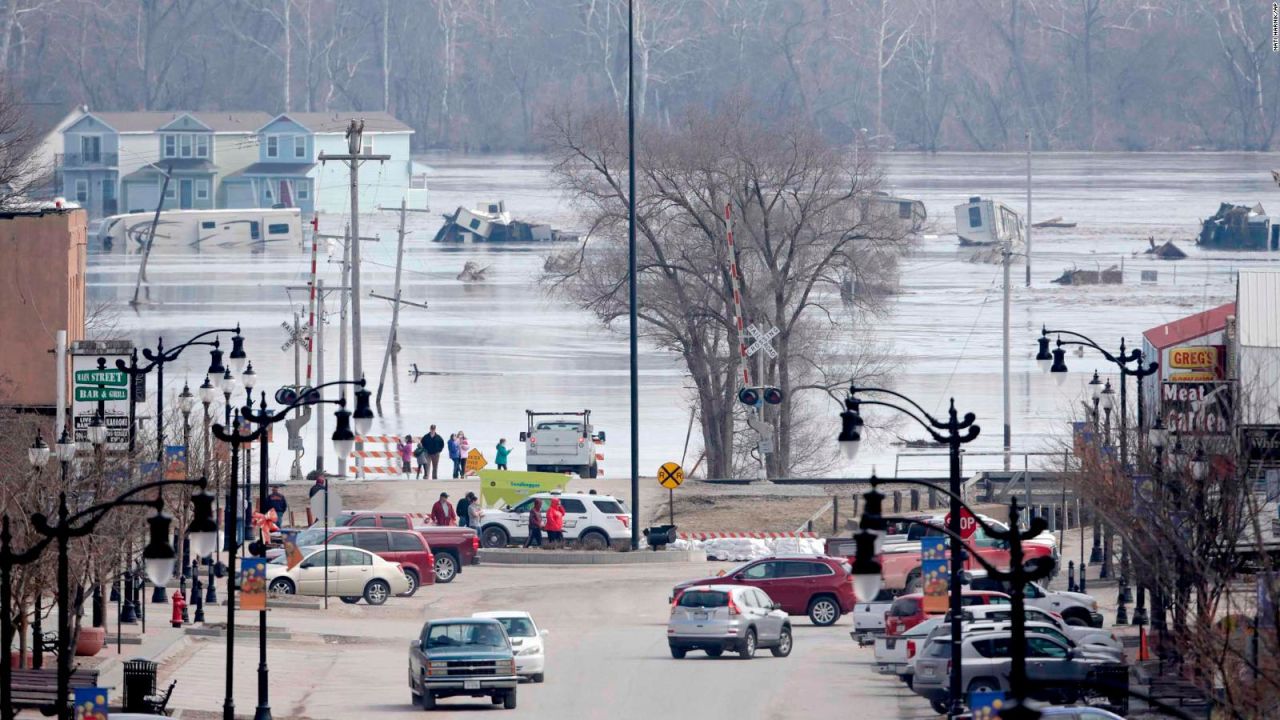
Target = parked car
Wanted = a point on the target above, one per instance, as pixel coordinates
(526, 641)
(814, 585)
(907, 611)
(1076, 608)
(593, 521)
(716, 618)
(1059, 712)
(868, 615)
(1080, 634)
(462, 656)
(1056, 673)
(405, 547)
(894, 653)
(452, 546)
(352, 574)
(1115, 653)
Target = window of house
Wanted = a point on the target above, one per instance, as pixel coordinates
(170, 192)
(202, 146)
(975, 217)
(170, 146)
(304, 189)
(91, 147)
(475, 224)
(82, 191)
(273, 146)
(299, 146)
(367, 145)
(278, 229)
(184, 146)
(202, 189)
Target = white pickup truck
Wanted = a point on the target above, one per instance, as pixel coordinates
(561, 442)
(894, 653)
(868, 617)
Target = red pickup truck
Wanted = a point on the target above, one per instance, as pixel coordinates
(452, 546)
(901, 563)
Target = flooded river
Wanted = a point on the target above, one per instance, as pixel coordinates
(496, 347)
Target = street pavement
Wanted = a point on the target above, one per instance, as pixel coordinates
(607, 656)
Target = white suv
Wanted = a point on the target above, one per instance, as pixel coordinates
(595, 521)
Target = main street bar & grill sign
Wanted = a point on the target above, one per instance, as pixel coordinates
(1197, 408)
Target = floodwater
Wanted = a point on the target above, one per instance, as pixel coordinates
(492, 349)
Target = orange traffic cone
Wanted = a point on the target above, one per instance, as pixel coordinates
(1143, 654)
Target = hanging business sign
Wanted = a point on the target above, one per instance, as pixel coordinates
(1197, 408)
(99, 387)
(1261, 445)
(1195, 363)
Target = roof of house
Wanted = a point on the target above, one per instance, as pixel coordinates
(274, 168)
(1187, 328)
(1258, 295)
(336, 122)
(152, 120)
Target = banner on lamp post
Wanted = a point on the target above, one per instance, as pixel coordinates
(253, 583)
(90, 703)
(936, 577)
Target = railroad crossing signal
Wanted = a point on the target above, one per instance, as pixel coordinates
(670, 475)
(762, 338)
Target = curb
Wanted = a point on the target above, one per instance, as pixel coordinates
(512, 556)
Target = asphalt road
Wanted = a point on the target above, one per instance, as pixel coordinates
(607, 657)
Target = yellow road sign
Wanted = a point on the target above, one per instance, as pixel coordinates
(475, 461)
(670, 475)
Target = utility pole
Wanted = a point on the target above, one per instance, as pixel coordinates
(353, 158)
(151, 239)
(393, 340)
(319, 346)
(1028, 225)
(1008, 428)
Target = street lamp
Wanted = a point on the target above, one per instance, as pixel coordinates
(249, 378)
(38, 453)
(954, 432)
(66, 528)
(97, 430)
(1199, 465)
(265, 418)
(66, 451)
(158, 359)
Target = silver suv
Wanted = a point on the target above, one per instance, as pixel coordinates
(1057, 673)
(716, 618)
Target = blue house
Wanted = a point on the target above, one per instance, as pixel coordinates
(89, 165)
(288, 172)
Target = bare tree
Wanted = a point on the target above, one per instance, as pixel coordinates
(805, 224)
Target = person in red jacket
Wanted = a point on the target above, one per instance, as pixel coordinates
(535, 524)
(555, 523)
(442, 512)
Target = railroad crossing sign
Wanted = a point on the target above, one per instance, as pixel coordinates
(670, 475)
(968, 523)
(475, 461)
(762, 338)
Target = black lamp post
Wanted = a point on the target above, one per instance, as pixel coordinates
(159, 557)
(158, 358)
(1021, 572)
(954, 432)
(209, 394)
(343, 442)
(264, 418)
(1128, 363)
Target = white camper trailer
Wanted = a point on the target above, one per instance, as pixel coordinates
(982, 222)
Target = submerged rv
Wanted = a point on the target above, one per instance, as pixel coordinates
(987, 222)
(204, 228)
(489, 222)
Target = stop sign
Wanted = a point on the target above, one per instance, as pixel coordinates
(968, 523)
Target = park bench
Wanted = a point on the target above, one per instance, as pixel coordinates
(39, 688)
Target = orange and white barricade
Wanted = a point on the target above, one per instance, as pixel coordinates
(385, 459)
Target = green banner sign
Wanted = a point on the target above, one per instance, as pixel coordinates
(94, 394)
(101, 377)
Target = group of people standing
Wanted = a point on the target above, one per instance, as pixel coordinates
(428, 449)
(468, 513)
(553, 523)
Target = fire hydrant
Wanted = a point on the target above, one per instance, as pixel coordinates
(179, 605)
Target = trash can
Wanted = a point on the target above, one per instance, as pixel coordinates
(139, 684)
(659, 536)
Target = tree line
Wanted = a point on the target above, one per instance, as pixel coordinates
(484, 74)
